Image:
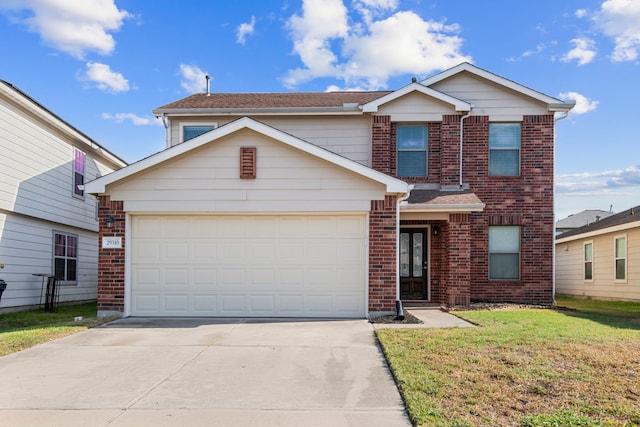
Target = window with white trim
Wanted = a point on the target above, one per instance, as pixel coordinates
(588, 261)
(504, 252)
(504, 149)
(65, 256)
(621, 257)
(78, 173)
(411, 142)
(190, 130)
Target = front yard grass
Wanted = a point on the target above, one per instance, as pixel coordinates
(25, 329)
(573, 366)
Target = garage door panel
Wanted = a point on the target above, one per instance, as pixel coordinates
(248, 266)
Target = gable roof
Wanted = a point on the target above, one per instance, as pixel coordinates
(623, 220)
(202, 103)
(44, 115)
(437, 200)
(393, 185)
(554, 104)
(458, 104)
(582, 218)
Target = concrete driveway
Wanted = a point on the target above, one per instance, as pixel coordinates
(204, 372)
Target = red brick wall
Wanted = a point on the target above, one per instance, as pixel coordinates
(450, 150)
(525, 200)
(110, 261)
(458, 253)
(382, 256)
(381, 144)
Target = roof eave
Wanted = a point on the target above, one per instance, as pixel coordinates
(178, 112)
(449, 208)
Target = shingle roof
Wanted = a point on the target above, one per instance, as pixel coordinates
(273, 100)
(624, 217)
(582, 218)
(438, 197)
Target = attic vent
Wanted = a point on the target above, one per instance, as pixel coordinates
(247, 162)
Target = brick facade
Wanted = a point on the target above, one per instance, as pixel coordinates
(111, 264)
(382, 256)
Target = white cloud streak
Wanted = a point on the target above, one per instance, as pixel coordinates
(366, 53)
(193, 78)
(245, 29)
(104, 78)
(620, 20)
(74, 27)
(604, 181)
(131, 117)
(583, 104)
(584, 51)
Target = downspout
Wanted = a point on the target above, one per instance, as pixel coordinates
(553, 194)
(165, 123)
(399, 200)
(461, 140)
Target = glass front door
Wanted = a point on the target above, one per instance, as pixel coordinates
(414, 265)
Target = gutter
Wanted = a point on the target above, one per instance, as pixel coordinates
(563, 108)
(461, 140)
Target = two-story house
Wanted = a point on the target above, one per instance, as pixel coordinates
(48, 225)
(336, 204)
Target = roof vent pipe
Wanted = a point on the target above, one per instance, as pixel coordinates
(208, 88)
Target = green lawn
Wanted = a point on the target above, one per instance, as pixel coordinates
(25, 329)
(578, 365)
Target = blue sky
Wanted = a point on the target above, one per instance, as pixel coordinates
(103, 65)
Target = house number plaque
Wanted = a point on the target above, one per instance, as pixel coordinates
(112, 242)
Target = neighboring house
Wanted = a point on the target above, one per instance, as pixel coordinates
(601, 260)
(336, 204)
(48, 226)
(580, 219)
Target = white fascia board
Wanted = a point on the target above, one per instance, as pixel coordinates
(458, 104)
(553, 103)
(393, 185)
(602, 231)
(460, 208)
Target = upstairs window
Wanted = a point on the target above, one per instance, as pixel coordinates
(191, 130)
(504, 252)
(78, 173)
(65, 256)
(588, 261)
(504, 149)
(412, 150)
(621, 258)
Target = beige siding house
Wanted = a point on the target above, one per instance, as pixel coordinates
(336, 204)
(601, 260)
(48, 225)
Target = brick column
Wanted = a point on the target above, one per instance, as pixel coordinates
(450, 150)
(458, 291)
(381, 159)
(382, 256)
(110, 261)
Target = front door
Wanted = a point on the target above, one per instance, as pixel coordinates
(413, 264)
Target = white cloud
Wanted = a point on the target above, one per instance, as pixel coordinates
(193, 78)
(581, 13)
(133, 118)
(531, 52)
(620, 20)
(367, 53)
(104, 78)
(583, 104)
(245, 29)
(599, 182)
(583, 51)
(74, 27)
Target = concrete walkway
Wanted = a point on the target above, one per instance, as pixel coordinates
(204, 372)
(431, 317)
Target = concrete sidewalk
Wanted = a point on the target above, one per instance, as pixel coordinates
(204, 372)
(431, 317)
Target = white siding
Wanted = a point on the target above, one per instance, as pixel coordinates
(490, 99)
(26, 248)
(36, 172)
(207, 180)
(416, 107)
(349, 136)
(570, 268)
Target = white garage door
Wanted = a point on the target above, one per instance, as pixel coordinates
(258, 266)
